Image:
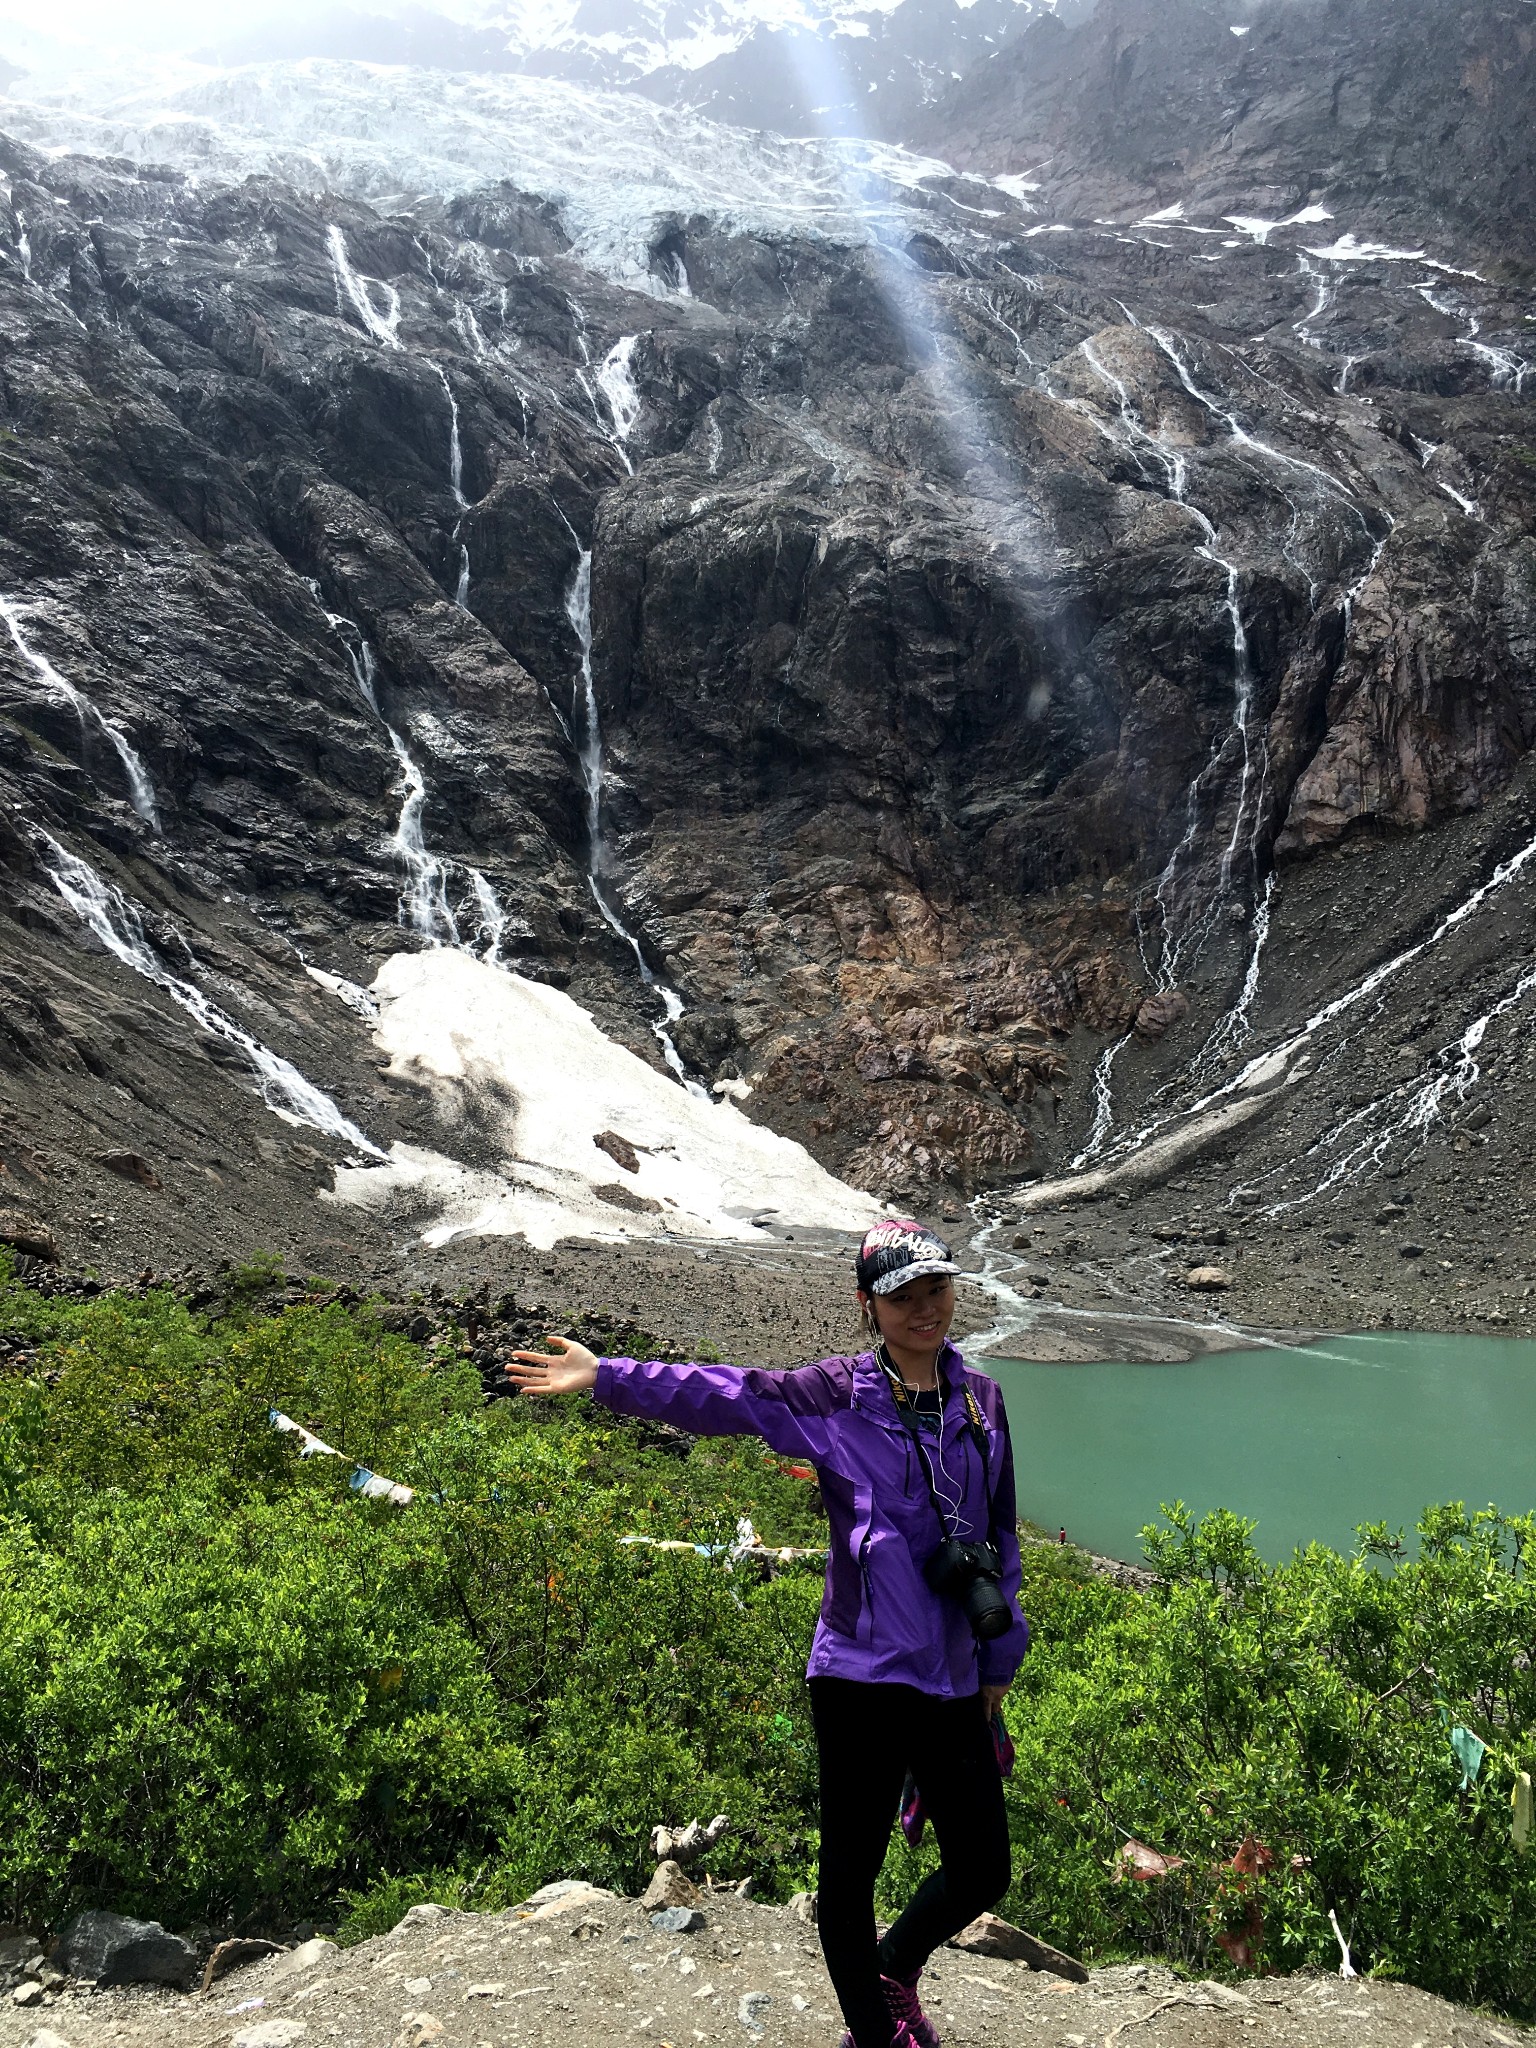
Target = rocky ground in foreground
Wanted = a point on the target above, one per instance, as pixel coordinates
(586, 1967)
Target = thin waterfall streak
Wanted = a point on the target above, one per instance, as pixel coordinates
(469, 330)
(355, 291)
(491, 921)
(1103, 1104)
(1242, 705)
(141, 792)
(1405, 1114)
(355, 646)
(424, 902)
(588, 734)
(455, 445)
(1229, 419)
(423, 906)
(616, 381)
(1174, 940)
(103, 908)
(1233, 1029)
(1268, 1066)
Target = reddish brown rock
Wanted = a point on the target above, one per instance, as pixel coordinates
(1160, 1012)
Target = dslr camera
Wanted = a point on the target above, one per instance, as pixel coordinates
(971, 1574)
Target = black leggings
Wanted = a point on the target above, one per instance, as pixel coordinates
(868, 1737)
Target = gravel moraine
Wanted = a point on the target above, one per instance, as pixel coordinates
(590, 1968)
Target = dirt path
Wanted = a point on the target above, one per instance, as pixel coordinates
(587, 1968)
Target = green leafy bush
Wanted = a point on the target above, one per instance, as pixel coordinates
(1303, 1709)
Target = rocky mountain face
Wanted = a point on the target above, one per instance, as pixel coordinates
(1410, 119)
(1008, 672)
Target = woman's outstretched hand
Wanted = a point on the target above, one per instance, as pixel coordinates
(572, 1371)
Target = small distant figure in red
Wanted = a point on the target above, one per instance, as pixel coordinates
(1062, 1537)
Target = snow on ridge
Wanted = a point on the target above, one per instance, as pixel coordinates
(614, 163)
(494, 1042)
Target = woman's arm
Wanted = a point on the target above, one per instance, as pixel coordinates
(791, 1411)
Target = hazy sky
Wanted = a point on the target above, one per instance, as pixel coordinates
(186, 24)
(160, 25)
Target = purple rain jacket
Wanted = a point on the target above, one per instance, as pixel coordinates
(880, 1621)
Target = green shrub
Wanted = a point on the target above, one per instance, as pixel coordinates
(1305, 1706)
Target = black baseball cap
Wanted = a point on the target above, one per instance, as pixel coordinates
(899, 1250)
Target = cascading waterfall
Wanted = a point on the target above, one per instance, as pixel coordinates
(103, 908)
(456, 485)
(491, 918)
(1360, 1142)
(423, 907)
(1102, 1121)
(1506, 370)
(141, 792)
(587, 732)
(455, 445)
(616, 381)
(468, 329)
(357, 292)
(1181, 940)
(1231, 1031)
(1326, 288)
(1178, 936)
(1284, 1058)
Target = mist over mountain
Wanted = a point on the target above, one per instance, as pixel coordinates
(990, 646)
(801, 70)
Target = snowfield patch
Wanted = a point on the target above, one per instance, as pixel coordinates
(529, 1072)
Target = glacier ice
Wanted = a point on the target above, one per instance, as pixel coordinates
(614, 163)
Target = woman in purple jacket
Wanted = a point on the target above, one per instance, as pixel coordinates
(920, 1631)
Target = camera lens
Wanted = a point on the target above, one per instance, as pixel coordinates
(986, 1609)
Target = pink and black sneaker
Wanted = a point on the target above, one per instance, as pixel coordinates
(902, 2038)
(907, 2011)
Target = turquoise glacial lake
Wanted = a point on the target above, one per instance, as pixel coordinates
(1307, 1442)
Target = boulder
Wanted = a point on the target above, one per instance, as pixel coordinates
(26, 1234)
(28, 1992)
(619, 1150)
(565, 1897)
(1207, 1279)
(803, 1906)
(20, 1955)
(131, 1166)
(678, 1920)
(305, 1956)
(669, 1887)
(45, 2037)
(271, 2034)
(1159, 1013)
(109, 1948)
(990, 1936)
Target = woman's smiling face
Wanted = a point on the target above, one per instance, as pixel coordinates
(915, 1319)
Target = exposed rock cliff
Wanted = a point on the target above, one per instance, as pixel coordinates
(977, 604)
